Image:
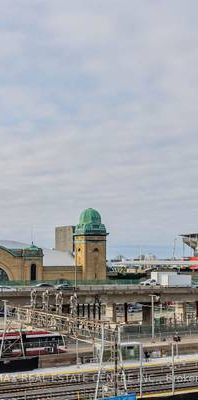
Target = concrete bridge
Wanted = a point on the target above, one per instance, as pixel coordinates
(162, 262)
(91, 297)
(109, 294)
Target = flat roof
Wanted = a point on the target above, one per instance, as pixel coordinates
(189, 235)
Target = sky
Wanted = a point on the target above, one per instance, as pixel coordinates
(98, 103)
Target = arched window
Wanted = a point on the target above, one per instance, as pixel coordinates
(95, 261)
(33, 272)
(3, 275)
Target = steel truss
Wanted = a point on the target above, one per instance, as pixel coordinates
(11, 325)
(102, 334)
(74, 327)
(111, 387)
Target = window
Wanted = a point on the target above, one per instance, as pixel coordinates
(3, 275)
(33, 272)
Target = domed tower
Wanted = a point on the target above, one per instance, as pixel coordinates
(90, 245)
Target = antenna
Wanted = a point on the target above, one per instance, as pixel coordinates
(32, 234)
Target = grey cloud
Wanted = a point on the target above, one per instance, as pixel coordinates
(99, 108)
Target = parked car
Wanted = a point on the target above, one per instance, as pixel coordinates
(43, 285)
(137, 307)
(149, 282)
(7, 289)
(64, 286)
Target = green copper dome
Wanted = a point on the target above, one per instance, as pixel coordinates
(90, 223)
(32, 247)
(32, 251)
(90, 216)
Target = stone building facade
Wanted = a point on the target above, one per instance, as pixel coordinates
(64, 238)
(20, 262)
(90, 245)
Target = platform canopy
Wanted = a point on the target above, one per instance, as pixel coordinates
(191, 239)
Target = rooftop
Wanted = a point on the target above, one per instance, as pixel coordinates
(90, 223)
(51, 257)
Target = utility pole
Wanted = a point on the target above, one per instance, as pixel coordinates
(173, 370)
(73, 313)
(153, 317)
(153, 314)
(141, 368)
(75, 279)
(116, 362)
(4, 326)
(174, 247)
(115, 339)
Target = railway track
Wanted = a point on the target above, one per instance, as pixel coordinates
(186, 376)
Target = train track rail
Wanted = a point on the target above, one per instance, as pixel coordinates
(153, 379)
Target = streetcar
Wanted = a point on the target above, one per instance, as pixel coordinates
(31, 343)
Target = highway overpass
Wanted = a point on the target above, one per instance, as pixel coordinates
(161, 262)
(108, 294)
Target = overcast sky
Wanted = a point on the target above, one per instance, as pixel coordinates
(99, 108)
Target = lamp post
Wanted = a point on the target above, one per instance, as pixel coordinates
(174, 247)
(153, 314)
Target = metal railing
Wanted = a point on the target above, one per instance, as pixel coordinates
(123, 281)
(161, 331)
(71, 282)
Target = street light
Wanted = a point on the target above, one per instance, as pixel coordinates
(152, 314)
(174, 247)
